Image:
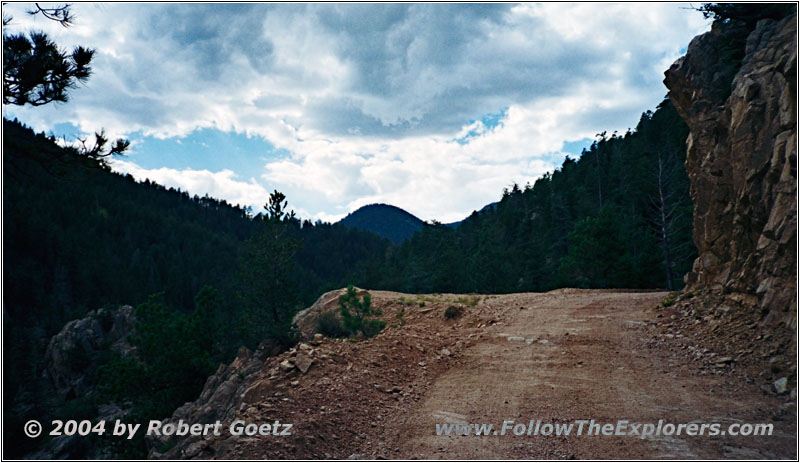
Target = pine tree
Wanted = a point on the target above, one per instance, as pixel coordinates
(268, 277)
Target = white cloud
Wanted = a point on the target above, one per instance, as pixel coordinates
(368, 99)
(222, 185)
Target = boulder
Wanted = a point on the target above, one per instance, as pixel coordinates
(303, 362)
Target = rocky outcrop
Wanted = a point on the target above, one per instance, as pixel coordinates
(305, 320)
(736, 90)
(70, 354)
(249, 379)
(71, 359)
(219, 400)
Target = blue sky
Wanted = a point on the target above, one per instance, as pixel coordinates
(431, 107)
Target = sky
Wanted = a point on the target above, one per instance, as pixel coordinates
(434, 108)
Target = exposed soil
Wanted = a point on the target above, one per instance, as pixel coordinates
(556, 357)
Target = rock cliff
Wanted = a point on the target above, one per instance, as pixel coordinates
(736, 89)
(222, 396)
(70, 353)
(71, 360)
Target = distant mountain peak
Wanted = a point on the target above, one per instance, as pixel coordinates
(390, 222)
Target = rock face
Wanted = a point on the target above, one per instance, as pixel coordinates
(70, 360)
(248, 380)
(221, 396)
(69, 354)
(328, 302)
(306, 318)
(742, 162)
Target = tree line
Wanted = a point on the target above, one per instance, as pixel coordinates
(619, 216)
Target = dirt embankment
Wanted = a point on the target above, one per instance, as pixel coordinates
(556, 357)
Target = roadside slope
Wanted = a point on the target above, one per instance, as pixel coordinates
(558, 357)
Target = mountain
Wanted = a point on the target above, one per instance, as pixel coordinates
(384, 220)
(391, 222)
(481, 211)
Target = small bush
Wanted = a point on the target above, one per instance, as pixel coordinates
(372, 327)
(399, 316)
(328, 324)
(355, 312)
(671, 299)
(452, 312)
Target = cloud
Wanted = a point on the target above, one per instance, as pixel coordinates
(223, 184)
(374, 102)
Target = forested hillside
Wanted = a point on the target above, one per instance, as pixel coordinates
(78, 237)
(618, 217)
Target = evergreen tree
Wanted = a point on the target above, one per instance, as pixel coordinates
(267, 280)
(37, 72)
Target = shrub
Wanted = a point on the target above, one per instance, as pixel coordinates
(328, 324)
(173, 361)
(749, 13)
(121, 379)
(667, 302)
(452, 312)
(372, 327)
(355, 312)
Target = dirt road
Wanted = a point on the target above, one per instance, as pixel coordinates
(556, 357)
(579, 355)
